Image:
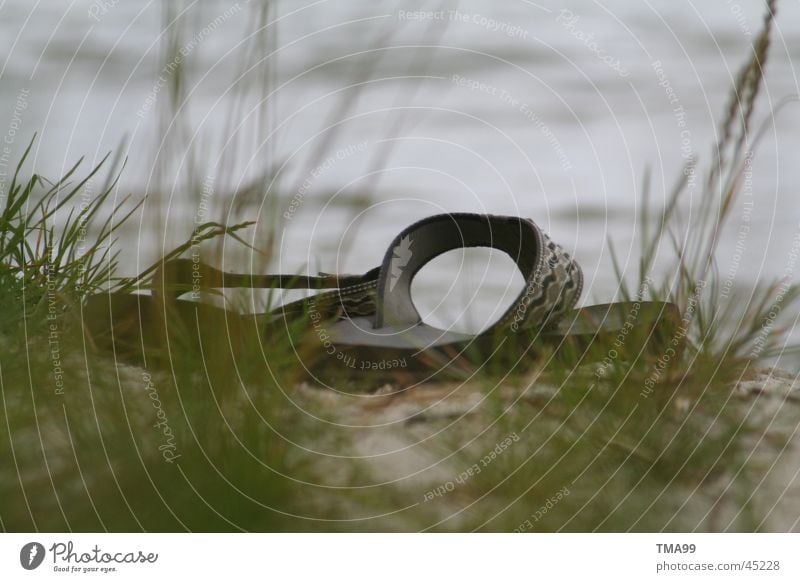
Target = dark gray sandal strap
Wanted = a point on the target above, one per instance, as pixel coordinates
(179, 276)
(553, 280)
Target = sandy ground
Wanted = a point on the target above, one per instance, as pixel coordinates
(770, 398)
(393, 435)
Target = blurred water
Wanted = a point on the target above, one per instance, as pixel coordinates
(550, 110)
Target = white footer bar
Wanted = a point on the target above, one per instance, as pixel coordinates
(401, 557)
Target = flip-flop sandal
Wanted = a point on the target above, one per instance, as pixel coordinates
(369, 322)
(395, 337)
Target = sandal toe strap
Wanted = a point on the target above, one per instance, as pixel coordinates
(553, 279)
